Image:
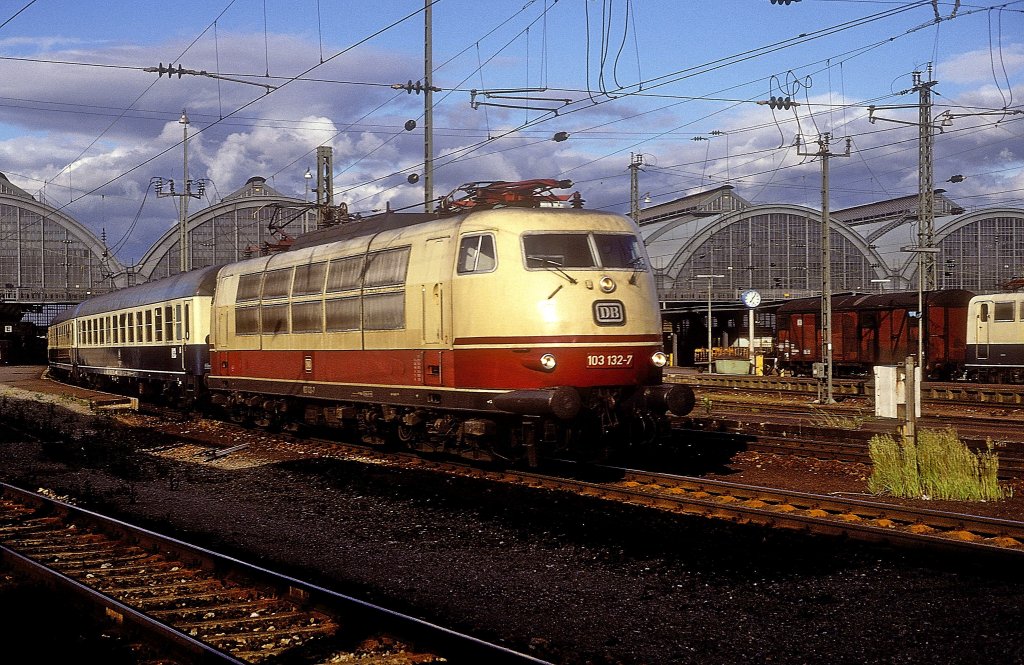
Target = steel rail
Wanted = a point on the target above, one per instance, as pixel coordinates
(453, 646)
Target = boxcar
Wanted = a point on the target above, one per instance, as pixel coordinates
(878, 329)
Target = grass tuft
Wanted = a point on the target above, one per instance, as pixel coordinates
(938, 466)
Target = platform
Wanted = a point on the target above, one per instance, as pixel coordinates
(32, 378)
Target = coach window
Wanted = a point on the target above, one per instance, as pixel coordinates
(177, 321)
(168, 323)
(120, 327)
(476, 254)
(1003, 311)
(149, 325)
(188, 321)
(131, 327)
(158, 325)
(139, 325)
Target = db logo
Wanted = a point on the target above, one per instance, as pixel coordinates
(609, 313)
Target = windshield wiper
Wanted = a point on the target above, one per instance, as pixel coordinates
(554, 265)
(637, 264)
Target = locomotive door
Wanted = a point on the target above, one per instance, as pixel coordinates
(982, 323)
(433, 298)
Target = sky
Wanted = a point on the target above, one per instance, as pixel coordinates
(679, 87)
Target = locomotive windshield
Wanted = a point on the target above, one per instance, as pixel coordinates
(582, 250)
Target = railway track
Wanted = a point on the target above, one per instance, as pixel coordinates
(811, 513)
(932, 392)
(791, 430)
(201, 607)
(826, 514)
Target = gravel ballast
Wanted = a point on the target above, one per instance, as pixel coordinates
(569, 579)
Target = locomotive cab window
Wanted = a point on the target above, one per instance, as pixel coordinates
(582, 251)
(476, 254)
(618, 250)
(1003, 311)
(561, 250)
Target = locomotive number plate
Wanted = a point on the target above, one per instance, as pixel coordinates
(609, 360)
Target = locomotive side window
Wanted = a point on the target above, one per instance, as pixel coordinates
(387, 268)
(385, 311)
(274, 319)
(307, 317)
(277, 283)
(561, 250)
(344, 274)
(309, 279)
(342, 314)
(617, 250)
(247, 320)
(1003, 311)
(249, 286)
(476, 254)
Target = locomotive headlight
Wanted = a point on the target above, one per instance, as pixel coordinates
(659, 359)
(547, 361)
(607, 284)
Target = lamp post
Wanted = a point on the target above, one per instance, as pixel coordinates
(709, 278)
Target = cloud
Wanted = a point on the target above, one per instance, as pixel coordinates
(977, 67)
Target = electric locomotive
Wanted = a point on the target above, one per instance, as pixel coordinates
(995, 338)
(499, 327)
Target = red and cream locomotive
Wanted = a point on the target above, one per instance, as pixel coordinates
(498, 327)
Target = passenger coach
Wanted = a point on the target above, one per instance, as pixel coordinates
(152, 337)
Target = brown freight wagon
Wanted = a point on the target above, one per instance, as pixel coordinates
(877, 329)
